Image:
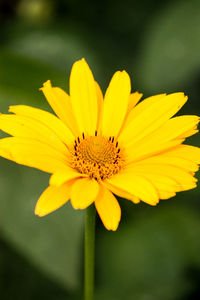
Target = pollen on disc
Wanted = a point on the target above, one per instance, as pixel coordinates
(97, 156)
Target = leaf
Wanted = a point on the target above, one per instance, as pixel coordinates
(171, 46)
(52, 243)
(58, 46)
(21, 78)
(147, 258)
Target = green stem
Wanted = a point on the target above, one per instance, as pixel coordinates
(89, 252)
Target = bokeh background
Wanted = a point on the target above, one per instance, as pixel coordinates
(155, 253)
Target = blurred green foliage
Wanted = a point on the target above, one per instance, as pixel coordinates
(172, 43)
(155, 252)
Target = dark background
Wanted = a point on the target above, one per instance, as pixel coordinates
(154, 255)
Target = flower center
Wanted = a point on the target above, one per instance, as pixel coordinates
(97, 156)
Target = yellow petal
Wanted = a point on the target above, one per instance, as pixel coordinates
(119, 192)
(142, 106)
(134, 98)
(147, 148)
(162, 182)
(150, 119)
(189, 133)
(51, 199)
(100, 106)
(49, 120)
(176, 127)
(156, 141)
(20, 126)
(186, 152)
(165, 186)
(108, 209)
(183, 178)
(32, 153)
(168, 159)
(61, 104)
(83, 193)
(136, 185)
(162, 138)
(83, 95)
(62, 176)
(164, 195)
(116, 104)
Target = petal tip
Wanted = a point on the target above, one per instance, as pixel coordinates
(38, 212)
(80, 62)
(10, 108)
(46, 84)
(113, 227)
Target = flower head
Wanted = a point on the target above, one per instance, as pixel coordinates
(95, 148)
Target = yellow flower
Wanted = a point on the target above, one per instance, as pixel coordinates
(95, 148)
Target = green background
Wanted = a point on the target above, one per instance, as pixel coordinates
(155, 253)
